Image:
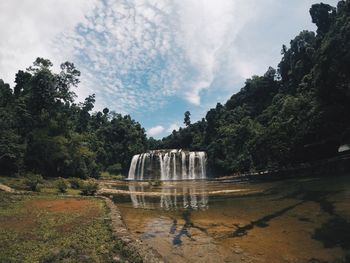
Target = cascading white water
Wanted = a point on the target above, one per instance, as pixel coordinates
(202, 164)
(183, 165)
(168, 165)
(132, 169)
(191, 171)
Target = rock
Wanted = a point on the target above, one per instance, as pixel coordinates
(238, 250)
(117, 259)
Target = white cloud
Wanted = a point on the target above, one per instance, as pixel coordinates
(146, 51)
(173, 126)
(138, 54)
(29, 29)
(204, 27)
(157, 130)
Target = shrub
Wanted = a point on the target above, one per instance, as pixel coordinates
(89, 188)
(107, 175)
(155, 182)
(62, 185)
(127, 252)
(33, 182)
(75, 183)
(115, 169)
(71, 254)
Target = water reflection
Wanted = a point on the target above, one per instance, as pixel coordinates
(304, 219)
(170, 197)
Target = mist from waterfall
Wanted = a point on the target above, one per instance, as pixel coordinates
(168, 165)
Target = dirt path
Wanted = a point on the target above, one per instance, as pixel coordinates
(7, 189)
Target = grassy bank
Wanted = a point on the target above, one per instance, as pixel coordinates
(50, 227)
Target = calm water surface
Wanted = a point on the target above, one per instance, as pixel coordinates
(299, 220)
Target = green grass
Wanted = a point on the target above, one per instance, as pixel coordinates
(52, 228)
(17, 183)
(108, 176)
(49, 185)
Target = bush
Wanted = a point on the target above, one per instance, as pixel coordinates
(115, 169)
(127, 252)
(33, 182)
(75, 183)
(62, 185)
(155, 182)
(89, 188)
(107, 175)
(71, 254)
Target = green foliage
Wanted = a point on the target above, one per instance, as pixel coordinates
(75, 183)
(187, 119)
(155, 182)
(62, 185)
(127, 252)
(296, 114)
(43, 130)
(72, 235)
(89, 188)
(34, 182)
(115, 169)
(108, 176)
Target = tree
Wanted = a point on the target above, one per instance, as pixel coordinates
(322, 15)
(298, 114)
(187, 120)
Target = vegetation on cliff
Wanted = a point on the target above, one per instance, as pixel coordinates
(295, 114)
(298, 113)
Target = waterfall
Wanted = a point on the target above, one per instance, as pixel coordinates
(183, 165)
(168, 165)
(132, 169)
(191, 171)
(202, 160)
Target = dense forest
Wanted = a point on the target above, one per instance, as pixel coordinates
(297, 113)
(44, 131)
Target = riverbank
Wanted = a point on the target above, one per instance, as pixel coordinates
(337, 165)
(304, 219)
(50, 227)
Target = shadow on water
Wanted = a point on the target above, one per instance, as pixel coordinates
(184, 231)
(319, 197)
(335, 232)
(261, 222)
(315, 260)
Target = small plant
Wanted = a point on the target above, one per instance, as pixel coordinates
(34, 182)
(155, 182)
(89, 188)
(62, 185)
(75, 183)
(107, 175)
(127, 252)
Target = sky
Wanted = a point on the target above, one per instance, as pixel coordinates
(152, 59)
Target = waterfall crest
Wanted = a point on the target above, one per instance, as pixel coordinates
(168, 165)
